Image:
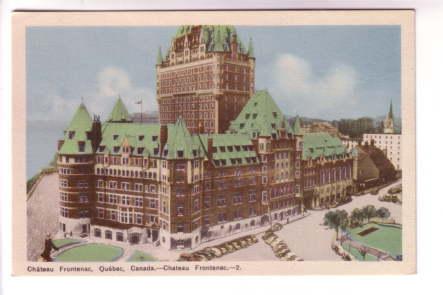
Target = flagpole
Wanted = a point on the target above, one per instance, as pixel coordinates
(141, 111)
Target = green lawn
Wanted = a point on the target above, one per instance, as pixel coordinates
(386, 238)
(64, 242)
(141, 256)
(91, 252)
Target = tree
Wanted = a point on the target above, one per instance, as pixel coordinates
(338, 220)
(383, 212)
(356, 216)
(369, 211)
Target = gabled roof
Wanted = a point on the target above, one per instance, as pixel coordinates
(317, 144)
(296, 127)
(180, 143)
(260, 117)
(119, 112)
(76, 133)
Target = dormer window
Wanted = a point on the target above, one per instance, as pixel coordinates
(230, 149)
(254, 116)
(156, 151)
(115, 136)
(222, 149)
(141, 137)
(180, 154)
(165, 153)
(81, 146)
(71, 134)
(116, 149)
(242, 125)
(247, 116)
(273, 125)
(194, 153)
(274, 114)
(140, 150)
(154, 138)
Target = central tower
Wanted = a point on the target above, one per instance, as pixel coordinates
(206, 77)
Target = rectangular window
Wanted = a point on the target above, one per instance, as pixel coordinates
(63, 183)
(221, 201)
(100, 213)
(138, 218)
(138, 202)
(83, 199)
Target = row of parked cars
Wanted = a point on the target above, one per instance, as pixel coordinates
(210, 253)
(389, 198)
(279, 247)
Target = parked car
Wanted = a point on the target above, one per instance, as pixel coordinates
(277, 226)
(216, 252)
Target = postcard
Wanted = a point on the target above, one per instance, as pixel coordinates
(214, 142)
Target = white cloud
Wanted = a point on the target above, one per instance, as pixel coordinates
(110, 83)
(299, 90)
(113, 82)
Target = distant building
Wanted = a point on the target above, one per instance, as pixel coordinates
(206, 78)
(389, 142)
(326, 170)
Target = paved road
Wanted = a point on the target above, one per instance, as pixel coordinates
(42, 214)
(309, 239)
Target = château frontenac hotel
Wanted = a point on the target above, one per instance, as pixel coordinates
(222, 160)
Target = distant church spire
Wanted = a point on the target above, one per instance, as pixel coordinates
(391, 114)
(388, 123)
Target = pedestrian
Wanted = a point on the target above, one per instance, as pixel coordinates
(49, 245)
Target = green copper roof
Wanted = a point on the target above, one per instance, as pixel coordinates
(142, 137)
(319, 144)
(119, 112)
(296, 128)
(216, 38)
(75, 134)
(159, 56)
(230, 149)
(260, 117)
(180, 143)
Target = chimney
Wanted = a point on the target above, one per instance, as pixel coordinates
(163, 135)
(234, 46)
(59, 144)
(95, 135)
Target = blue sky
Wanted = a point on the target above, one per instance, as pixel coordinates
(326, 72)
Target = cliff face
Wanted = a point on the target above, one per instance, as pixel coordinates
(42, 214)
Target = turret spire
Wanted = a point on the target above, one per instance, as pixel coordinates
(159, 56)
(250, 48)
